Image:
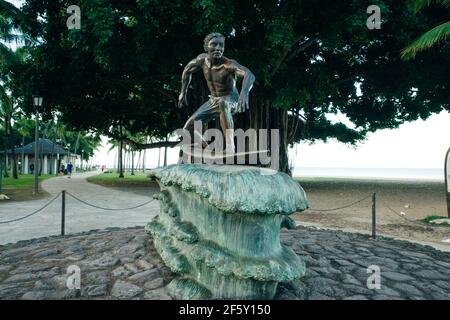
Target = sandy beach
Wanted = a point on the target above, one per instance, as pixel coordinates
(416, 199)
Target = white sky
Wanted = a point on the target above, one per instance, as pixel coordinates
(17, 3)
(418, 144)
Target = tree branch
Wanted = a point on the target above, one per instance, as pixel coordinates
(167, 95)
(141, 146)
(344, 80)
(294, 127)
(284, 57)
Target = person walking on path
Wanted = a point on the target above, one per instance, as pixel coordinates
(69, 169)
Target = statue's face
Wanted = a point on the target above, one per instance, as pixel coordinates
(216, 47)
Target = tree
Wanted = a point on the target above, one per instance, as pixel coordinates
(431, 37)
(8, 107)
(6, 112)
(9, 15)
(11, 21)
(74, 141)
(123, 67)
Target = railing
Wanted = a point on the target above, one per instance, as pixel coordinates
(63, 195)
(374, 213)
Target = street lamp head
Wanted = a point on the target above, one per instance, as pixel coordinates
(37, 101)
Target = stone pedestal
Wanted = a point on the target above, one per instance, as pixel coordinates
(219, 229)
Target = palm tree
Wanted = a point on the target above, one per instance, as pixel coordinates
(10, 19)
(429, 38)
(10, 16)
(74, 140)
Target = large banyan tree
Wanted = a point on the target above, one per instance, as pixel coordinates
(121, 71)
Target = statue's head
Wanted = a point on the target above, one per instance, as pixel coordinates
(214, 45)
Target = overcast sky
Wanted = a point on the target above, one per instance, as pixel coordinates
(17, 3)
(418, 144)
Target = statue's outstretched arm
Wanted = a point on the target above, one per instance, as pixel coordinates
(193, 66)
(247, 84)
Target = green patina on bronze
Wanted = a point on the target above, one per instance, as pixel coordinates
(219, 228)
(237, 188)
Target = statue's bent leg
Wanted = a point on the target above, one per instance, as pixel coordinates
(227, 124)
(205, 113)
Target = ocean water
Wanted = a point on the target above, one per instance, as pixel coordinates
(427, 174)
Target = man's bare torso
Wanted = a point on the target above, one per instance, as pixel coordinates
(221, 78)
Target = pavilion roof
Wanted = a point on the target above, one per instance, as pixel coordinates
(46, 147)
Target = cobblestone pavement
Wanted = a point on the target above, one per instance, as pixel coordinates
(123, 264)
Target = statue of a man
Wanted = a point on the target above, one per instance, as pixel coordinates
(220, 74)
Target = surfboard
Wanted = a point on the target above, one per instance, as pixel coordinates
(211, 155)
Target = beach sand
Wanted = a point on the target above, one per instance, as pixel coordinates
(416, 199)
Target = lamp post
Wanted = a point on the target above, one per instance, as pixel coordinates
(68, 155)
(58, 166)
(82, 156)
(37, 102)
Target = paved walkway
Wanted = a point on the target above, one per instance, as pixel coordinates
(123, 264)
(79, 217)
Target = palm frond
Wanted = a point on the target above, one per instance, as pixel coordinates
(6, 55)
(11, 37)
(426, 41)
(11, 21)
(9, 10)
(417, 5)
(5, 102)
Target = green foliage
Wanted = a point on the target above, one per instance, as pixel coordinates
(432, 218)
(429, 38)
(21, 189)
(24, 182)
(417, 5)
(113, 180)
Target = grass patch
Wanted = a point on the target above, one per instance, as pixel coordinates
(112, 180)
(432, 218)
(22, 189)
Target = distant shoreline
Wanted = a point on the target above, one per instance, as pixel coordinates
(374, 179)
(385, 174)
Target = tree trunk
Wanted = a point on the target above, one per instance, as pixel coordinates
(128, 161)
(5, 158)
(1, 176)
(284, 157)
(121, 153)
(165, 155)
(22, 171)
(138, 162)
(143, 160)
(132, 162)
(116, 160)
(121, 160)
(41, 162)
(159, 158)
(14, 164)
(125, 160)
(77, 143)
